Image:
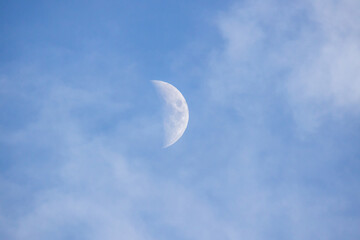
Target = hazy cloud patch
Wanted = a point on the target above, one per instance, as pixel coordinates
(305, 52)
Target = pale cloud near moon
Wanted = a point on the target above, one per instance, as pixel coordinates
(330, 73)
(316, 57)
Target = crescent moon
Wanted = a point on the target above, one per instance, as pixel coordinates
(176, 112)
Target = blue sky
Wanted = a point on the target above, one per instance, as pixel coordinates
(272, 146)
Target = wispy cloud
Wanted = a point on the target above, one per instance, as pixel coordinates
(310, 47)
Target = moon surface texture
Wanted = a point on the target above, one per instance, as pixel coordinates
(176, 112)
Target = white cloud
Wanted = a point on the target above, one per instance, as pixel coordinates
(305, 52)
(331, 72)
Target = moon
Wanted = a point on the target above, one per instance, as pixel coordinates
(176, 112)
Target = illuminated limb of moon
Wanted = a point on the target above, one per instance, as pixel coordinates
(176, 112)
